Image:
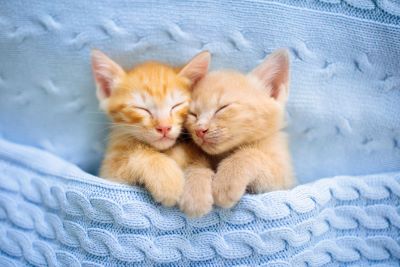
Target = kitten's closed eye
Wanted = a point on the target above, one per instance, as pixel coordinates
(178, 105)
(144, 109)
(222, 108)
(193, 114)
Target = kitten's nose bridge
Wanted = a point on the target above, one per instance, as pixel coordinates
(204, 119)
(203, 123)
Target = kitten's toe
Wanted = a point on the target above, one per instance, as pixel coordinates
(226, 196)
(196, 199)
(169, 202)
(196, 205)
(171, 189)
(168, 199)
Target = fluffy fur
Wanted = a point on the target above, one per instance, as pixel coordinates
(147, 106)
(238, 119)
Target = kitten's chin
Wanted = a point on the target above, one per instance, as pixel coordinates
(214, 148)
(163, 144)
(209, 148)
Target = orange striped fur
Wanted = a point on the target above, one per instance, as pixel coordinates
(147, 106)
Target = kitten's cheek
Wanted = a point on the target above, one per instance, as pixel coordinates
(197, 140)
(175, 132)
(189, 121)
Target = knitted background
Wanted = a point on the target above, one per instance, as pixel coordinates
(343, 112)
(345, 92)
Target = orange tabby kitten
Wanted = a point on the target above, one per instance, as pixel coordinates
(148, 105)
(238, 119)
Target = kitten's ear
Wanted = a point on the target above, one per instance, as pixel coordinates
(106, 73)
(273, 72)
(197, 67)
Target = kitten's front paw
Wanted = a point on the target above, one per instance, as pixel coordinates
(170, 187)
(197, 200)
(226, 191)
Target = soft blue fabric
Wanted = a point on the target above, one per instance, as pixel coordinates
(53, 214)
(345, 93)
(343, 112)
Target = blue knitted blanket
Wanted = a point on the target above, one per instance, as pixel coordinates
(54, 214)
(344, 122)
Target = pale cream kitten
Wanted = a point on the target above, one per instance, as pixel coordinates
(238, 119)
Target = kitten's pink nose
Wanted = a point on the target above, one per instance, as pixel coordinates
(201, 132)
(163, 129)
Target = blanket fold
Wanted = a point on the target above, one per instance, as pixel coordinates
(52, 213)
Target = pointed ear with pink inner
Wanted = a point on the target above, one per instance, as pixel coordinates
(107, 75)
(197, 67)
(273, 72)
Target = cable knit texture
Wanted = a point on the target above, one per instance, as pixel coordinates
(52, 213)
(343, 115)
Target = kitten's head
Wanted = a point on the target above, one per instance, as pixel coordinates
(149, 102)
(230, 109)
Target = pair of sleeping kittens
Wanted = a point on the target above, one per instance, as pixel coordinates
(233, 140)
